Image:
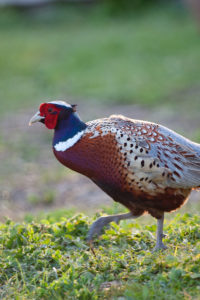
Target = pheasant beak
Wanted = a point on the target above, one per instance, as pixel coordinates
(36, 118)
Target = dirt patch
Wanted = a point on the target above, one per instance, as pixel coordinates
(32, 180)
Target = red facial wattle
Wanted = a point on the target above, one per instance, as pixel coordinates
(50, 112)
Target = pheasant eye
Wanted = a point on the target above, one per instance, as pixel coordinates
(50, 109)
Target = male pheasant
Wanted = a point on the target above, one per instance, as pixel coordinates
(143, 165)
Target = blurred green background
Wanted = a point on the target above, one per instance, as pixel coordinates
(141, 58)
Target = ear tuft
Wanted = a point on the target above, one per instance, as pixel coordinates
(74, 107)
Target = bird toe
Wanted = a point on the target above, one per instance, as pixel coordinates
(159, 247)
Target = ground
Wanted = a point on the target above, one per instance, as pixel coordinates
(50, 259)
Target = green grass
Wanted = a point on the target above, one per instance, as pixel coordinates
(51, 260)
(62, 53)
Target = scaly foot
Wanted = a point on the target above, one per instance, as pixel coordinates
(98, 225)
(159, 247)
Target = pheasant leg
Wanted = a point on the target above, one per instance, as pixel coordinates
(97, 226)
(159, 234)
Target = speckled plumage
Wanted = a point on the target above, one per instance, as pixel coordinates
(145, 166)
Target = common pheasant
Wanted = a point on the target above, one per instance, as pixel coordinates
(145, 166)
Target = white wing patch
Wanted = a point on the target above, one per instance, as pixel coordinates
(63, 146)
